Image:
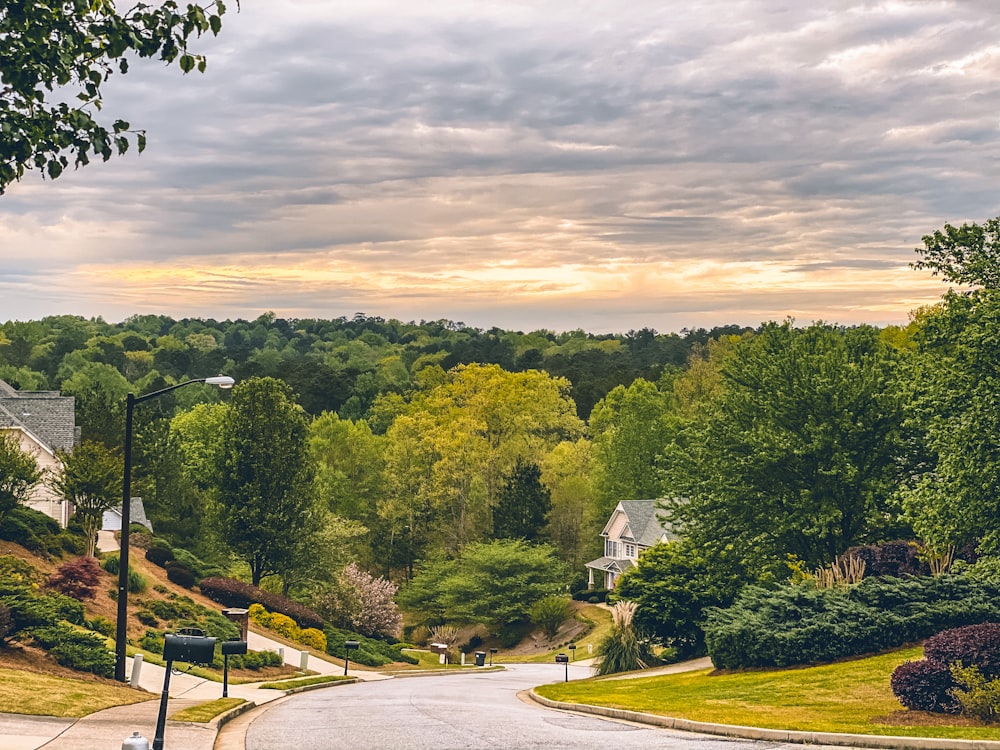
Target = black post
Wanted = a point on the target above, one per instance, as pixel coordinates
(225, 675)
(563, 659)
(492, 651)
(161, 718)
(121, 626)
(348, 645)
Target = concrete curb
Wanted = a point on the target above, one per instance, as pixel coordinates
(773, 735)
(439, 672)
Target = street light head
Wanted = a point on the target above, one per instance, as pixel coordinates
(223, 381)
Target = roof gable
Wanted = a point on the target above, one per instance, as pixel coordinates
(640, 521)
(47, 415)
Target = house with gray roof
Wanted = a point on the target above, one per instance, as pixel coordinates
(635, 525)
(44, 423)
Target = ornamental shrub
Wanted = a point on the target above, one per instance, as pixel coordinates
(314, 638)
(924, 686)
(76, 649)
(160, 555)
(180, 574)
(285, 626)
(972, 645)
(231, 593)
(77, 578)
(978, 697)
(804, 625)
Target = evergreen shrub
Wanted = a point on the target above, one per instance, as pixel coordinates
(76, 649)
(180, 574)
(804, 625)
(159, 555)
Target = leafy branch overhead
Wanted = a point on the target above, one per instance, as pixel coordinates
(52, 52)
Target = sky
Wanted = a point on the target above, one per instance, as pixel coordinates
(598, 165)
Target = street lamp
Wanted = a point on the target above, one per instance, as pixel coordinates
(348, 647)
(223, 381)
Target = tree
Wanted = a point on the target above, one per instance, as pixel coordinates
(494, 584)
(265, 498)
(522, 504)
(90, 479)
(73, 47)
(968, 255)
(574, 522)
(631, 426)
(799, 454)
(19, 473)
(673, 583)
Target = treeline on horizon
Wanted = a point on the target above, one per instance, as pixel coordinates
(340, 365)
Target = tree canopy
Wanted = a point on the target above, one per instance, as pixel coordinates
(55, 51)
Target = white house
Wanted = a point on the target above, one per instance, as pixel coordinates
(634, 525)
(44, 423)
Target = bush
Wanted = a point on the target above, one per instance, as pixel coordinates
(147, 618)
(314, 638)
(77, 578)
(371, 652)
(804, 625)
(255, 660)
(183, 612)
(31, 529)
(159, 555)
(894, 559)
(924, 686)
(137, 583)
(75, 649)
(232, 593)
(975, 645)
(594, 596)
(180, 574)
(6, 622)
(978, 697)
(549, 613)
(101, 625)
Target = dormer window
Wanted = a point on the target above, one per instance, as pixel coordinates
(630, 551)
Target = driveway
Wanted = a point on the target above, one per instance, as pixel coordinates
(475, 711)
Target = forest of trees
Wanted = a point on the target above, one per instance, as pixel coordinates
(402, 447)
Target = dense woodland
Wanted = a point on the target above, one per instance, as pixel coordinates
(435, 454)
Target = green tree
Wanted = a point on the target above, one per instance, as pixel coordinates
(90, 479)
(968, 255)
(495, 584)
(265, 499)
(673, 583)
(799, 454)
(19, 473)
(522, 505)
(73, 47)
(631, 428)
(574, 521)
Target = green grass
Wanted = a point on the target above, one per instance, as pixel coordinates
(207, 711)
(430, 660)
(850, 697)
(23, 692)
(303, 682)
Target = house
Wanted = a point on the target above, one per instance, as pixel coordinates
(635, 525)
(45, 423)
(112, 518)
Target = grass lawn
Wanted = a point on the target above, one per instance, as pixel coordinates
(598, 620)
(20, 693)
(206, 711)
(851, 697)
(304, 682)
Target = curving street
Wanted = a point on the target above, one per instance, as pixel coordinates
(457, 712)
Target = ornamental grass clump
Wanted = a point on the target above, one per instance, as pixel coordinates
(622, 650)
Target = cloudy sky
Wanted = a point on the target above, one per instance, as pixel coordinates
(600, 164)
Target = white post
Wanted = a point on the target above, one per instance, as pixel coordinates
(441, 658)
(304, 661)
(281, 653)
(463, 658)
(136, 670)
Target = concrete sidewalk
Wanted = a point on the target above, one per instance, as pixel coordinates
(108, 729)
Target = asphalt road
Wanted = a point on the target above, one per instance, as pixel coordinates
(462, 712)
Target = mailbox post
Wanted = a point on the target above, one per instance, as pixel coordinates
(492, 651)
(572, 652)
(563, 659)
(191, 646)
(232, 646)
(349, 646)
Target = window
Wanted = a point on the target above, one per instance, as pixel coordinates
(610, 548)
(630, 551)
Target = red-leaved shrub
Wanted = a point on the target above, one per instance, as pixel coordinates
(77, 578)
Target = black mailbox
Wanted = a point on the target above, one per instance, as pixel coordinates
(235, 646)
(562, 659)
(193, 649)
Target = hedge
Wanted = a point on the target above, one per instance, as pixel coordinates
(804, 625)
(232, 593)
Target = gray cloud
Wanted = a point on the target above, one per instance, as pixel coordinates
(552, 140)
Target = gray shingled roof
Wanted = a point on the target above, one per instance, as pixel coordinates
(645, 521)
(48, 415)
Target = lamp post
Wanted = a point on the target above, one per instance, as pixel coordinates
(223, 381)
(348, 647)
